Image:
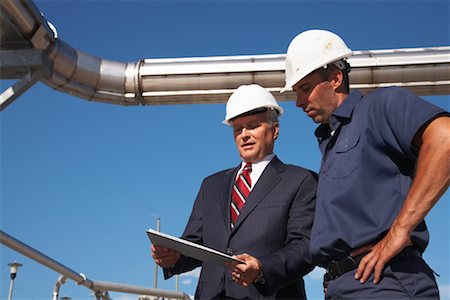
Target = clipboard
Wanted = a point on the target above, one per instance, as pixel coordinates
(190, 249)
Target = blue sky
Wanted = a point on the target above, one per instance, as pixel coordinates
(81, 181)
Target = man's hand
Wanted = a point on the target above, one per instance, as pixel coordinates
(245, 274)
(431, 180)
(380, 254)
(165, 257)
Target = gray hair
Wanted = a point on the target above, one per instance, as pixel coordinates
(272, 115)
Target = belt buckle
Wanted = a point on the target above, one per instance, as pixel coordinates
(333, 270)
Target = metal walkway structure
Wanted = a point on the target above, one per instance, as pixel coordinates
(100, 288)
(31, 51)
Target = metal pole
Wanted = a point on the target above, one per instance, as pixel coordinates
(155, 279)
(177, 282)
(11, 286)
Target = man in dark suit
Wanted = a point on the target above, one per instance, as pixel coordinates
(261, 211)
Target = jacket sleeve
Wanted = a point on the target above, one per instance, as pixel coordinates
(193, 233)
(293, 261)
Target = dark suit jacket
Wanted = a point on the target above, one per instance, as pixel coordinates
(274, 226)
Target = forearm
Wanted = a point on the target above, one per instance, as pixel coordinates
(430, 183)
(432, 176)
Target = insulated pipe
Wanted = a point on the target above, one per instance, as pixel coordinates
(92, 78)
(213, 79)
(206, 79)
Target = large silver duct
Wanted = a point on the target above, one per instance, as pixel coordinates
(31, 51)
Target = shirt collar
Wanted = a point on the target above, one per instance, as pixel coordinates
(257, 168)
(266, 160)
(344, 111)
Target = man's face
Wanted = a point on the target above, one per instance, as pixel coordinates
(316, 97)
(254, 136)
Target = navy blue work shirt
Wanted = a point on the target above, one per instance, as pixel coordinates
(367, 168)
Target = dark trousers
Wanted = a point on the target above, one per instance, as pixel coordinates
(403, 278)
(222, 296)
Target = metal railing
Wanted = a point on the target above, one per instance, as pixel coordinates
(100, 288)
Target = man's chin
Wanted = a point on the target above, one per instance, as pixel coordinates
(317, 120)
(248, 158)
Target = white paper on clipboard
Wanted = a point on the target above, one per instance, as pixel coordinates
(190, 249)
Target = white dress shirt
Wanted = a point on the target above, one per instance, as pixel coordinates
(257, 168)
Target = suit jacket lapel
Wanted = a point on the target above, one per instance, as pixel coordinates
(268, 180)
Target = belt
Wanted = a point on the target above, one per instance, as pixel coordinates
(338, 268)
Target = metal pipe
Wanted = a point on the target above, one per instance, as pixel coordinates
(100, 287)
(213, 79)
(11, 287)
(117, 287)
(208, 79)
(43, 259)
(61, 280)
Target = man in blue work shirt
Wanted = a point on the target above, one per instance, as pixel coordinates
(386, 162)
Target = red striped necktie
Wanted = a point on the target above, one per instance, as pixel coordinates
(241, 190)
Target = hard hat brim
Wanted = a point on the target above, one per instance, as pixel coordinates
(300, 75)
(257, 110)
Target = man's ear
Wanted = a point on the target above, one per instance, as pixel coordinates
(276, 130)
(336, 78)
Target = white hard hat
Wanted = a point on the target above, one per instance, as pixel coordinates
(247, 98)
(311, 50)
